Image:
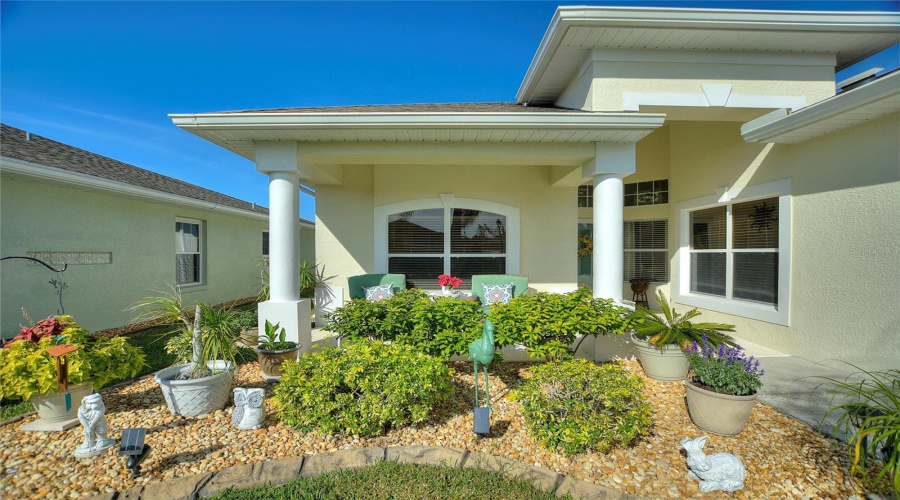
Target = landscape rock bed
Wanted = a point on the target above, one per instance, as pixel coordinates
(784, 458)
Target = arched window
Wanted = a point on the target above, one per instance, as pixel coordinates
(462, 240)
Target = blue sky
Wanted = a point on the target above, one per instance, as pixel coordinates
(104, 76)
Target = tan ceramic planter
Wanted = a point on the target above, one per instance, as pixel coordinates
(270, 361)
(51, 407)
(667, 364)
(721, 414)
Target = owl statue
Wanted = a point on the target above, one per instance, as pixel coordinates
(249, 411)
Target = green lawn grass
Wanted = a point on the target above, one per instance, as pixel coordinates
(399, 481)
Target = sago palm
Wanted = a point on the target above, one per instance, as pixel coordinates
(677, 329)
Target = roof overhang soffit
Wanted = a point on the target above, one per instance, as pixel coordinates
(346, 138)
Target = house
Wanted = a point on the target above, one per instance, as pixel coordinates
(125, 233)
(705, 150)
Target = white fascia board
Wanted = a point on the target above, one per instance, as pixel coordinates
(737, 20)
(412, 120)
(764, 129)
(45, 172)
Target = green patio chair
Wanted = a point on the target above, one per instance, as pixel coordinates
(356, 283)
(520, 283)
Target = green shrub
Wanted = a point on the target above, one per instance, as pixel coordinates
(439, 326)
(363, 388)
(574, 406)
(547, 324)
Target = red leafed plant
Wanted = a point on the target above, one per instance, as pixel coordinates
(49, 327)
(447, 280)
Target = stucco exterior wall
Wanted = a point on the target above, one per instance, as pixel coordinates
(345, 214)
(140, 235)
(845, 233)
(611, 79)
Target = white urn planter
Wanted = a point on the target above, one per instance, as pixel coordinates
(722, 414)
(667, 363)
(192, 397)
(51, 408)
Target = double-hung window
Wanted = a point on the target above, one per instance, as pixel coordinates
(188, 252)
(423, 244)
(737, 255)
(646, 250)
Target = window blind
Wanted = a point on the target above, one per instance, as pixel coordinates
(646, 250)
(419, 231)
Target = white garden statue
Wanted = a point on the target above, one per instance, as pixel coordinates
(249, 411)
(720, 471)
(92, 415)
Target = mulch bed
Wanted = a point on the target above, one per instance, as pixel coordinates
(784, 458)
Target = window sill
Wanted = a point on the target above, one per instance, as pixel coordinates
(736, 307)
(197, 287)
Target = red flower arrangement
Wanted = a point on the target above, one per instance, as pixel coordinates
(447, 280)
(50, 327)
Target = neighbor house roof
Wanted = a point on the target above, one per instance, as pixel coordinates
(575, 31)
(37, 152)
(867, 102)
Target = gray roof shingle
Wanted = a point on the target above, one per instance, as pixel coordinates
(43, 151)
(453, 107)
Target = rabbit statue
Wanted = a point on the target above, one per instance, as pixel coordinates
(248, 408)
(720, 471)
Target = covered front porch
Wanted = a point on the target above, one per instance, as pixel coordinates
(430, 192)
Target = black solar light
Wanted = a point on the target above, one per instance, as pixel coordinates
(134, 448)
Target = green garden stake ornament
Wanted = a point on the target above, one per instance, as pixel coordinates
(482, 351)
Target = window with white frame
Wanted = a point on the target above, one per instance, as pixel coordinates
(423, 244)
(646, 250)
(188, 252)
(734, 251)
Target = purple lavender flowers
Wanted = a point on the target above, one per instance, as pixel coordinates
(728, 370)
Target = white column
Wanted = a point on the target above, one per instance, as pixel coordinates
(607, 170)
(279, 160)
(284, 236)
(608, 258)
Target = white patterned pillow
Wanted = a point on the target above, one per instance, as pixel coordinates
(379, 292)
(498, 294)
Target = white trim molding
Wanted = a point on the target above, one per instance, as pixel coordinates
(382, 213)
(711, 96)
(681, 293)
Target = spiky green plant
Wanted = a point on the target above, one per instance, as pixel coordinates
(870, 417)
(219, 328)
(677, 329)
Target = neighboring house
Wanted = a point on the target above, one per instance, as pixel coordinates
(126, 233)
(704, 150)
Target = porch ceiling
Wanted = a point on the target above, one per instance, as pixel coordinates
(344, 138)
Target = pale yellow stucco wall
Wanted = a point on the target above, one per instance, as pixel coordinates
(36, 216)
(345, 214)
(602, 85)
(845, 233)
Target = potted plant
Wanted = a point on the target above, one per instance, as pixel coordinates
(273, 350)
(202, 385)
(447, 282)
(721, 389)
(660, 340)
(247, 321)
(28, 372)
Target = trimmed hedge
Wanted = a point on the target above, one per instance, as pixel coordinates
(363, 388)
(546, 324)
(575, 406)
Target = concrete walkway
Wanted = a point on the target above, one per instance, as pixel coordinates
(795, 386)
